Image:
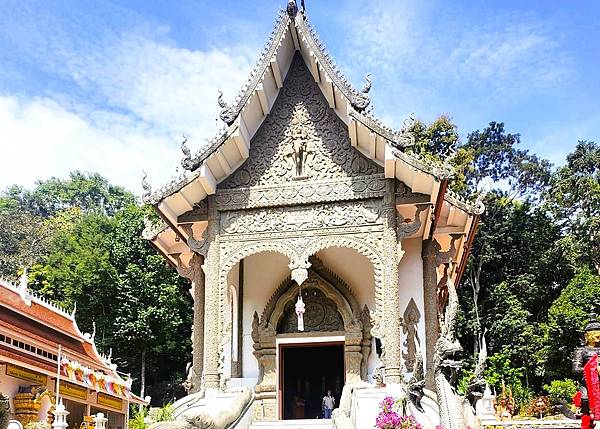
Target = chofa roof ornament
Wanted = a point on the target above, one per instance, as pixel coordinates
(228, 113)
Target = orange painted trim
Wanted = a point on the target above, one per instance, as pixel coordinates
(439, 203)
(465, 257)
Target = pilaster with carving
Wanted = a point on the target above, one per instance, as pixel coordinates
(213, 311)
(430, 253)
(193, 272)
(391, 296)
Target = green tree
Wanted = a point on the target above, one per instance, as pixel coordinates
(152, 323)
(574, 199)
(567, 318)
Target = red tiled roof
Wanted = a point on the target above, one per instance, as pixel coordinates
(37, 311)
(32, 317)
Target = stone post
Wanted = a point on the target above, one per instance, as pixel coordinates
(391, 293)
(429, 255)
(195, 274)
(212, 310)
(100, 421)
(60, 416)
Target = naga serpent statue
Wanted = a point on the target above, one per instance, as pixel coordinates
(446, 365)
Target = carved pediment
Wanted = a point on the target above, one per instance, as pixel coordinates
(301, 139)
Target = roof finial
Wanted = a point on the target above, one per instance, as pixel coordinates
(23, 281)
(292, 8)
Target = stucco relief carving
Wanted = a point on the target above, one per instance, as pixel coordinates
(293, 219)
(300, 135)
(410, 324)
(321, 314)
(306, 192)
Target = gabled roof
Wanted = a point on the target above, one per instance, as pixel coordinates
(229, 148)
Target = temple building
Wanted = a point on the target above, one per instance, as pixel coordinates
(39, 342)
(320, 248)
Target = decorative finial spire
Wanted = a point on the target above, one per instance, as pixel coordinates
(23, 281)
(292, 8)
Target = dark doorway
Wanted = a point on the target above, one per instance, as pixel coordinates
(308, 371)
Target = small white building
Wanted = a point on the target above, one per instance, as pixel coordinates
(304, 193)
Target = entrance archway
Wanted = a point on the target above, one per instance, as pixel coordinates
(331, 312)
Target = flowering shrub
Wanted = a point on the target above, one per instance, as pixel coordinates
(389, 418)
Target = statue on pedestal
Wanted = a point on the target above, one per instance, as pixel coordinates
(586, 399)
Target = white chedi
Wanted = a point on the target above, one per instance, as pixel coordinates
(485, 408)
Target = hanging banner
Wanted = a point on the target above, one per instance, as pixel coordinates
(110, 401)
(72, 390)
(26, 374)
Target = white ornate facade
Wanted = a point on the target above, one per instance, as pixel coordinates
(305, 192)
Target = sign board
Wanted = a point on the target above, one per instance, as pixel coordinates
(110, 401)
(73, 390)
(26, 374)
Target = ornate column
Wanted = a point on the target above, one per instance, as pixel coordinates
(194, 273)
(430, 253)
(213, 296)
(391, 294)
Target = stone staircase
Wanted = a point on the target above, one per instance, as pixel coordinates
(294, 424)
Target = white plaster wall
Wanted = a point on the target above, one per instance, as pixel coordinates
(410, 278)
(355, 269)
(263, 273)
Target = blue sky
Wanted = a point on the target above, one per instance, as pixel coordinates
(111, 86)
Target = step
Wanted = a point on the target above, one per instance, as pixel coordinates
(294, 424)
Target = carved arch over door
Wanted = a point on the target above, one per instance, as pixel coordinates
(356, 325)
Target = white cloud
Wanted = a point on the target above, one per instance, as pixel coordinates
(150, 93)
(40, 139)
(421, 42)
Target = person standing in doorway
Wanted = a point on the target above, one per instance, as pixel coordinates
(328, 404)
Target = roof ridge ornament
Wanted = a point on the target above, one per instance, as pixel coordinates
(187, 162)
(146, 186)
(228, 113)
(361, 100)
